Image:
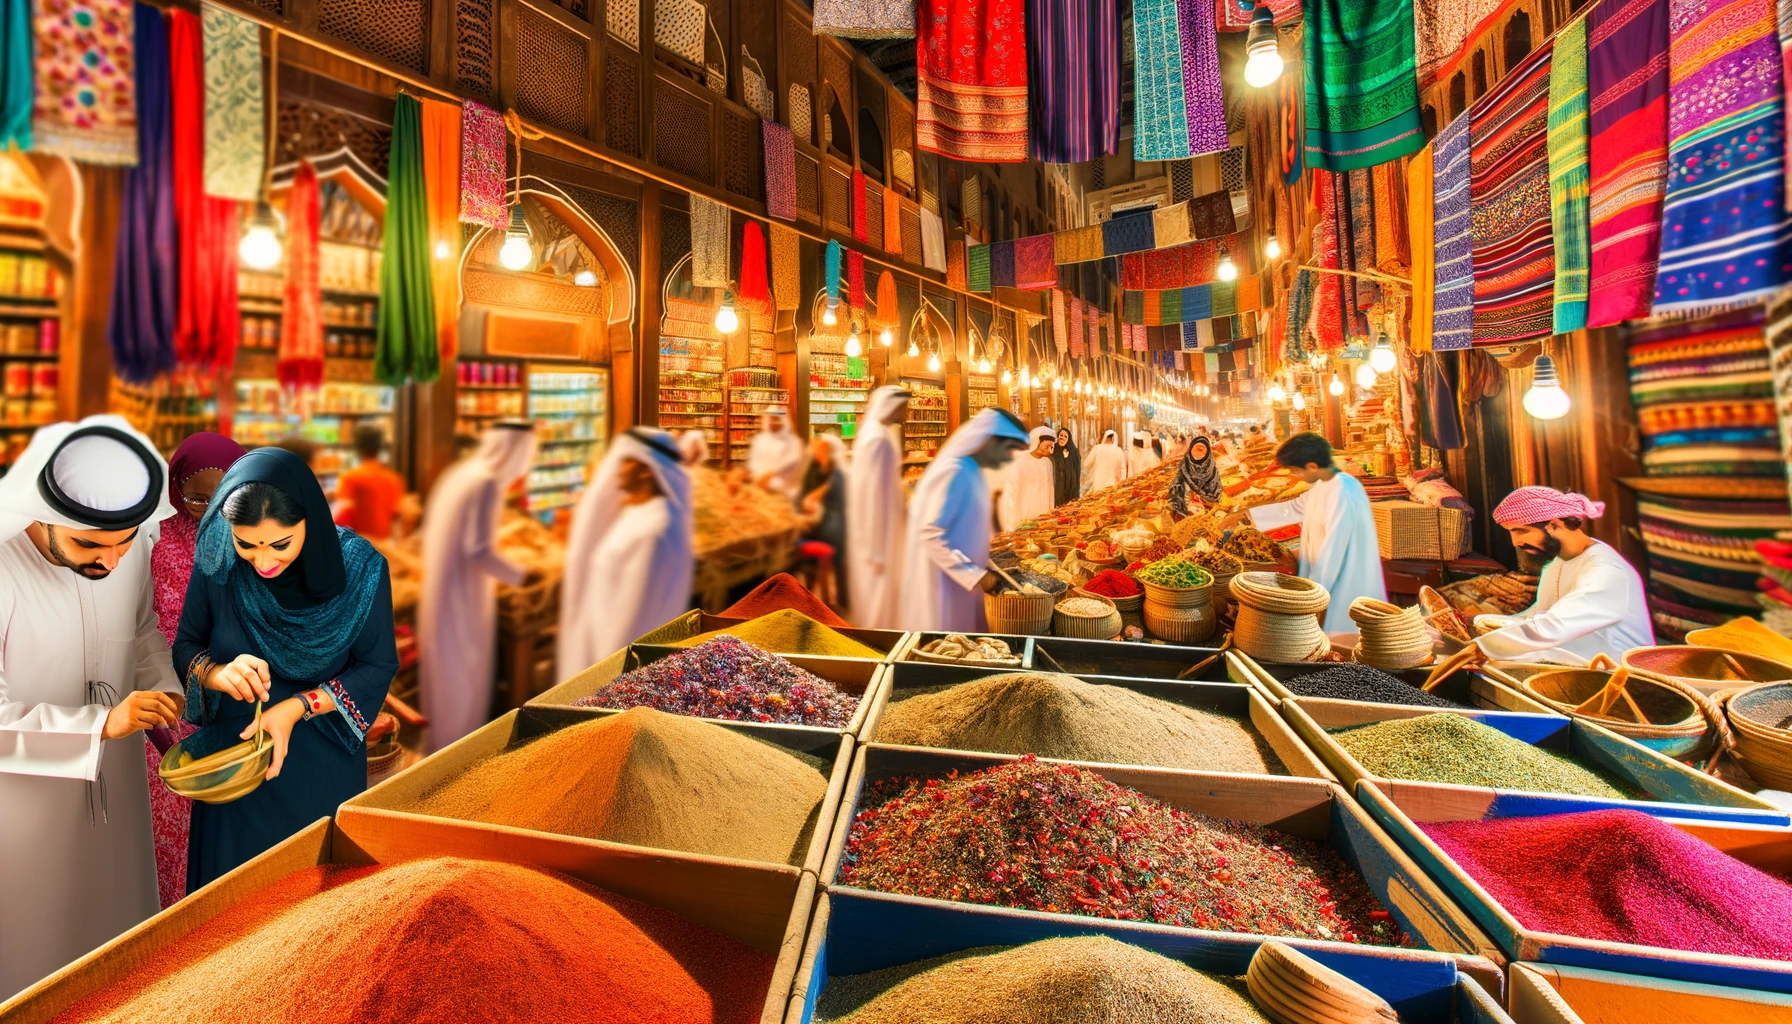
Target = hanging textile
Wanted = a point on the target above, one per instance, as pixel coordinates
(709, 243)
(892, 222)
(235, 118)
(1154, 309)
(1001, 264)
(1235, 15)
(1170, 225)
(831, 271)
(1291, 122)
(207, 323)
(1210, 216)
(1440, 424)
(405, 342)
(1197, 302)
(1419, 194)
(1360, 223)
(1078, 245)
(1785, 33)
(1327, 327)
(1453, 294)
(861, 231)
(1169, 306)
(482, 191)
(1442, 28)
(301, 357)
(933, 240)
(17, 89)
(1129, 232)
(1035, 266)
(977, 270)
(1568, 174)
(1514, 251)
(85, 105)
(1060, 322)
(441, 188)
(755, 288)
(787, 267)
(957, 278)
(865, 19)
(1073, 56)
(1132, 270)
(1627, 155)
(855, 280)
(1176, 81)
(780, 170)
(889, 312)
(1726, 238)
(140, 323)
(971, 79)
(1300, 311)
(1362, 100)
(1392, 252)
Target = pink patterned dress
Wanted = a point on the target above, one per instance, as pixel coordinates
(171, 561)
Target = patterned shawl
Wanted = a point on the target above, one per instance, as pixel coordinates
(977, 272)
(787, 267)
(1291, 122)
(709, 243)
(1568, 174)
(780, 170)
(1176, 78)
(235, 124)
(1327, 327)
(1441, 27)
(1001, 264)
(1362, 105)
(971, 79)
(1073, 53)
(1726, 238)
(482, 166)
(1128, 233)
(865, 19)
(86, 103)
(1627, 154)
(1514, 249)
(1361, 225)
(1453, 291)
(1035, 265)
(1197, 476)
(301, 359)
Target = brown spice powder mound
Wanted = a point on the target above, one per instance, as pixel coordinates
(439, 941)
(647, 778)
(1062, 717)
(1090, 980)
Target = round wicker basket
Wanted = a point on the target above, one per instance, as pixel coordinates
(1086, 627)
(1019, 614)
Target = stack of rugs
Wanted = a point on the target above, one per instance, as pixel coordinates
(1703, 392)
(1385, 488)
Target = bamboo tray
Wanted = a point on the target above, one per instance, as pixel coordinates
(1312, 808)
(765, 906)
(856, 936)
(1020, 645)
(1766, 847)
(1106, 660)
(1672, 787)
(1551, 994)
(1472, 689)
(849, 675)
(891, 642)
(1239, 703)
(395, 799)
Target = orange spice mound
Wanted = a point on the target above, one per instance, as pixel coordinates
(778, 593)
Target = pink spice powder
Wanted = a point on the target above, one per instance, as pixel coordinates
(1623, 876)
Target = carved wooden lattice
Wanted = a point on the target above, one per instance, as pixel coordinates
(620, 218)
(550, 85)
(911, 232)
(622, 104)
(396, 30)
(742, 165)
(475, 45)
(675, 237)
(874, 214)
(307, 129)
(837, 69)
(836, 185)
(681, 139)
(799, 49)
(808, 188)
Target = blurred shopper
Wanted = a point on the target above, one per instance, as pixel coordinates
(876, 511)
(367, 496)
(946, 553)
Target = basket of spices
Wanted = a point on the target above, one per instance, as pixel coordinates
(1178, 600)
(1124, 591)
(1661, 714)
(1085, 616)
(1761, 719)
(1021, 604)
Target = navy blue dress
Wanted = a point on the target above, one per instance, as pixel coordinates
(326, 760)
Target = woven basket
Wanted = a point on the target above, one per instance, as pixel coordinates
(1453, 533)
(1705, 669)
(529, 609)
(1085, 627)
(1763, 749)
(1019, 614)
(1179, 615)
(1128, 604)
(1679, 721)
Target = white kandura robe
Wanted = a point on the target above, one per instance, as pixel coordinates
(75, 879)
(947, 550)
(457, 612)
(1105, 467)
(1338, 547)
(1138, 460)
(1026, 490)
(876, 522)
(630, 591)
(1586, 605)
(783, 456)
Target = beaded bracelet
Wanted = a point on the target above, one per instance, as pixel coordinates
(198, 667)
(313, 701)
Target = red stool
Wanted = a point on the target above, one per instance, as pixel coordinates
(817, 569)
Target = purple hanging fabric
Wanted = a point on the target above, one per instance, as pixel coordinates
(140, 325)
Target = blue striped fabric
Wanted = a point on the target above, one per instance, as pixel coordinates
(1453, 309)
(1073, 63)
(1197, 302)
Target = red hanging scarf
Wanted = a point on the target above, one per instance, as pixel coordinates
(302, 327)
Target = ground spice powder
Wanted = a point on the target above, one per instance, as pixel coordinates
(647, 779)
(731, 679)
(1113, 583)
(1061, 716)
(784, 592)
(1085, 980)
(1623, 876)
(1062, 839)
(440, 941)
(1361, 682)
(1459, 751)
(791, 632)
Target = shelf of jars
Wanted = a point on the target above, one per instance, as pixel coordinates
(692, 392)
(927, 425)
(753, 391)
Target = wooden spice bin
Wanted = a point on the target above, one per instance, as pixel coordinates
(1552, 994)
(891, 642)
(1103, 660)
(395, 799)
(765, 906)
(853, 936)
(856, 676)
(1021, 645)
(1471, 689)
(1766, 847)
(1671, 786)
(1314, 809)
(1239, 703)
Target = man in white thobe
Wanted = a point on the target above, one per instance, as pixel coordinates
(628, 559)
(1139, 457)
(1589, 599)
(1027, 482)
(946, 555)
(1106, 464)
(876, 511)
(83, 670)
(777, 457)
(1338, 547)
(457, 613)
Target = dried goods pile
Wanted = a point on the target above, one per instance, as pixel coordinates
(1623, 876)
(440, 941)
(729, 678)
(790, 632)
(646, 779)
(1087, 607)
(780, 592)
(1062, 839)
(1086, 980)
(963, 648)
(1176, 573)
(1360, 682)
(1460, 751)
(1113, 583)
(1063, 717)
(1506, 593)
(1248, 543)
(725, 514)
(1217, 562)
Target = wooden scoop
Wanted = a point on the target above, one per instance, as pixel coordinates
(1465, 658)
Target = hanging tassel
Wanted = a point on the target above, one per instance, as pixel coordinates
(755, 288)
(855, 279)
(861, 229)
(888, 314)
(833, 275)
(1060, 329)
(787, 267)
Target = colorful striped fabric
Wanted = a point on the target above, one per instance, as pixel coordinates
(971, 79)
(1362, 105)
(1726, 238)
(1419, 194)
(1327, 326)
(1514, 249)
(1176, 81)
(1568, 174)
(1360, 254)
(1627, 155)
(1453, 281)
(1073, 53)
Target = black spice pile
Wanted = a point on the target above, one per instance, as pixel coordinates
(1351, 681)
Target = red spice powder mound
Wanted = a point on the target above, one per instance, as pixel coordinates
(440, 941)
(1623, 876)
(1111, 583)
(780, 592)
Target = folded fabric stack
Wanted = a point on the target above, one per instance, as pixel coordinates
(1776, 598)
(1385, 488)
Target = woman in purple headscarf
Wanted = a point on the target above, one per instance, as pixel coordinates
(193, 473)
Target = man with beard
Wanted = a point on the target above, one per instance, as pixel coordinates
(1589, 600)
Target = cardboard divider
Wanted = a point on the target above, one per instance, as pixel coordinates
(1549, 994)
(695, 623)
(1470, 689)
(1100, 660)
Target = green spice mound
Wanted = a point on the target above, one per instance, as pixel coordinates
(790, 632)
(1061, 716)
(646, 778)
(1174, 571)
(1090, 980)
(1460, 751)
(1062, 839)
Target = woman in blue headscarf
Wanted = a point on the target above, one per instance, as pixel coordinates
(284, 607)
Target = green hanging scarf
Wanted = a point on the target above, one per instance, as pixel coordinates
(407, 322)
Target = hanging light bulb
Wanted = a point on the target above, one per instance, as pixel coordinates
(933, 362)
(1006, 375)
(1382, 356)
(1057, 384)
(726, 320)
(1300, 401)
(1227, 270)
(585, 279)
(517, 253)
(1263, 65)
(1546, 399)
(1023, 376)
(913, 349)
(260, 248)
(1276, 394)
(1336, 387)
(886, 337)
(853, 348)
(828, 316)
(1273, 248)
(442, 250)
(983, 365)
(1365, 375)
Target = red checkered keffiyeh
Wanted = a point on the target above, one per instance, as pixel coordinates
(1541, 504)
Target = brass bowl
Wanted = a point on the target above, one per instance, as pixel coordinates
(230, 774)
